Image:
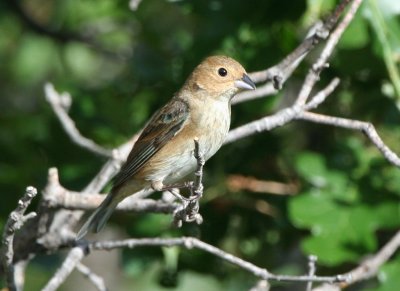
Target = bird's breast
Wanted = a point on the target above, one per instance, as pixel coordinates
(209, 124)
(212, 126)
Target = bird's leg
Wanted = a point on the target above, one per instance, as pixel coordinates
(196, 191)
(175, 191)
(173, 188)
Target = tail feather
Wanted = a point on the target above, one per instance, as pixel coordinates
(99, 217)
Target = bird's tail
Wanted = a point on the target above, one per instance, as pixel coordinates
(99, 217)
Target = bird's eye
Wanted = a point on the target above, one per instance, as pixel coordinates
(222, 72)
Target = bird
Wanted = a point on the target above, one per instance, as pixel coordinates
(164, 152)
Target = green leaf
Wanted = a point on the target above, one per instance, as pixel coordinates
(34, 59)
(311, 167)
(327, 249)
(388, 276)
(83, 63)
(386, 214)
(360, 229)
(313, 210)
(339, 232)
(356, 36)
(198, 282)
(317, 8)
(387, 43)
(152, 224)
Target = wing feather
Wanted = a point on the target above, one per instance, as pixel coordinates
(164, 125)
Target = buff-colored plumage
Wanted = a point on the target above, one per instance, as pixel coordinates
(163, 154)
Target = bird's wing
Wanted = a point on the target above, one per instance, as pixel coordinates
(164, 125)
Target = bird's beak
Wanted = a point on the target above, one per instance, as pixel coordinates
(245, 83)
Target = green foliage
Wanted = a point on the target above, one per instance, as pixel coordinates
(120, 66)
(342, 216)
(389, 277)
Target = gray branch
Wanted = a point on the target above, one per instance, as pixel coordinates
(365, 127)
(14, 222)
(188, 211)
(96, 280)
(59, 197)
(74, 258)
(60, 104)
(368, 268)
(280, 118)
(191, 242)
(311, 270)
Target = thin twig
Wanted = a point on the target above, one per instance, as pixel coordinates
(320, 31)
(198, 174)
(283, 70)
(365, 127)
(188, 211)
(191, 242)
(73, 258)
(311, 270)
(266, 89)
(370, 267)
(59, 104)
(15, 221)
(280, 118)
(321, 63)
(96, 280)
(56, 196)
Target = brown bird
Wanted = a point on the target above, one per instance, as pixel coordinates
(164, 152)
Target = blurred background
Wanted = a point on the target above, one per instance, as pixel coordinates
(332, 193)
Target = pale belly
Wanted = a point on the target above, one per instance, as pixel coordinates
(210, 130)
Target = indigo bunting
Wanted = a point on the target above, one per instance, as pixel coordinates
(164, 152)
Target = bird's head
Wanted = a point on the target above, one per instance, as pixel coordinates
(219, 77)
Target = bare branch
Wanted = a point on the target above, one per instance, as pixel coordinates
(189, 210)
(279, 73)
(191, 242)
(370, 267)
(14, 222)
(321, 63)
(56, 196)
(60, 104)
(89, 201)
(280, 118)
(96, 280)
(311, 270)
(261, 91)
(19, 274)
(365, 127)
(198, 181)
(111, 167)
(282, 71)
(73, 258)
